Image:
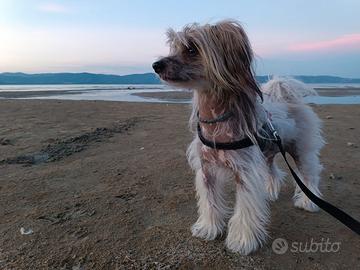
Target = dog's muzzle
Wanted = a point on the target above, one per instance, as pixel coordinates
(159, 66)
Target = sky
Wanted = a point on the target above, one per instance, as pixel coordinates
(297, 37)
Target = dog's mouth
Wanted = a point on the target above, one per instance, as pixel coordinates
(172, 79)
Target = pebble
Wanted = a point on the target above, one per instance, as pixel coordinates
(77, 267)
(4, 141)
(350, 144)
(333, 176)
(329, 117)
(24, 231)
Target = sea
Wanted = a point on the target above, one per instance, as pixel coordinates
(126, 93)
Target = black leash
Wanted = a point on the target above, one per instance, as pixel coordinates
(340, 215)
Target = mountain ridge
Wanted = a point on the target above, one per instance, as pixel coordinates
(17, 78)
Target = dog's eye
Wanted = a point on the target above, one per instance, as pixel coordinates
(192, 51)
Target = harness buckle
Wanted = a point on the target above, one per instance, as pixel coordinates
(273, 130)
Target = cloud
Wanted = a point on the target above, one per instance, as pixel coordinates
(347, 41)
(53, 8)
(110, 50)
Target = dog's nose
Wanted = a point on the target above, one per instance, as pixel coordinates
(158, 66)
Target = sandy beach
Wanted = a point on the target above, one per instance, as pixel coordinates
(106, 185)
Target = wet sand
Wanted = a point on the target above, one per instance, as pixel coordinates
(186, 95)
(33, 94)
(335, 92)
(105, 185)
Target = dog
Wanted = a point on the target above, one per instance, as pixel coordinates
(216, 62)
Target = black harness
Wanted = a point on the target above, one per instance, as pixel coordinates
(246, 142)
(340, 215)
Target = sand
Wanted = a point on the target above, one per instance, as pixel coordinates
(186, 95)
(105, 185)
(32, 94)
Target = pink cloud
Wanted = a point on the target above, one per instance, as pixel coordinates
(352, 41)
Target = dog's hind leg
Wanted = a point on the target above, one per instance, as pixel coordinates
(305, 150)
(212, 207)
(310, 168)
(275, 180)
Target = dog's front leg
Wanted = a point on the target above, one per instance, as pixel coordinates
(212, 208)
(247, 226)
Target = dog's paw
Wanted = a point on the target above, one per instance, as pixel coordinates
(242, 244)
(303, 202)
(206, 231)
(306, 204)
(244, 237)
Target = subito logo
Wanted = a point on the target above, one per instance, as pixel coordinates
(280, 246)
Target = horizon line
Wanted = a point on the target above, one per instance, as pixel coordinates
(112, 74)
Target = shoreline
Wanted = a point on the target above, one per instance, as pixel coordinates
(164, 94)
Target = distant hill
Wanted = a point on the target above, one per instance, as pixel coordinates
(146, 78)
(77, 78)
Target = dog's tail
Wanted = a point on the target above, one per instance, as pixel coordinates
(287, 90)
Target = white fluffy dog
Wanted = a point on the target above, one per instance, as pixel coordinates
(216, 62)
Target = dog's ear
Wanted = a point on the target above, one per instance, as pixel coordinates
(229, 57)
(170, 34)
(176, 40)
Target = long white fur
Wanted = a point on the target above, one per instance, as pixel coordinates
(260, 177)
(306, 132)
(281, 89)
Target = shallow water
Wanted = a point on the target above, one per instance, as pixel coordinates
(323, 100)
(110, 95)
(125, 93)
(128, 97)
(80, 87)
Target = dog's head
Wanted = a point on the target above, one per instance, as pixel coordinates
(214, 58)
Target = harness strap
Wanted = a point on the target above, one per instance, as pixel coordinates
(246, 142)
(220, 118)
